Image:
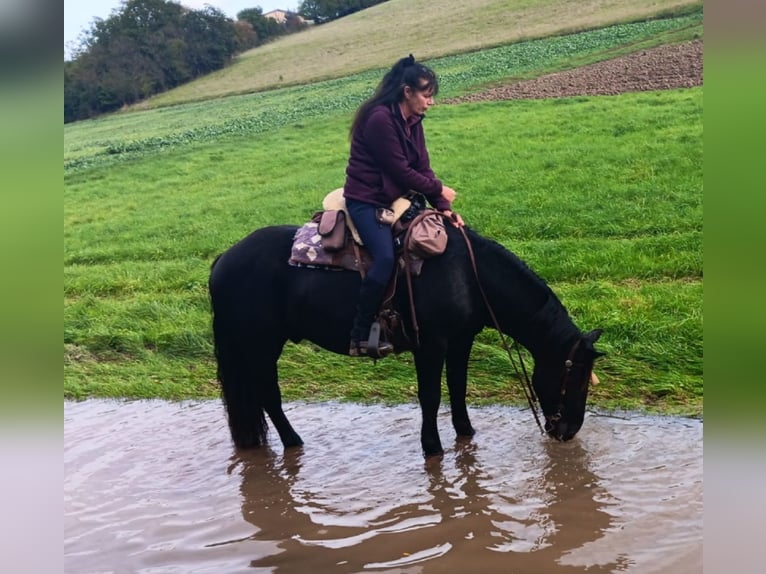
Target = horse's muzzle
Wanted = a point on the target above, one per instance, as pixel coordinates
(561, 430)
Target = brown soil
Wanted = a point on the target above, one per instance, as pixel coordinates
(661, 68)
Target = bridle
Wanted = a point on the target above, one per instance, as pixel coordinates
(529, 390)
(568, 365)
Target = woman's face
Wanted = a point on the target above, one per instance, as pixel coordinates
(417, 101)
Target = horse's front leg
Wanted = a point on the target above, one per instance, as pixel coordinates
(429, 362)
(458, 352)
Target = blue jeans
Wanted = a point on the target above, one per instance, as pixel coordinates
(377, 238)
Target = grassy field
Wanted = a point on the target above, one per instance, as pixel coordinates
(602, 196)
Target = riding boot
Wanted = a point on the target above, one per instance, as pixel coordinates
(370, 297)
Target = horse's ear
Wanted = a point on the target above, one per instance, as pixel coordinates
(593, 336)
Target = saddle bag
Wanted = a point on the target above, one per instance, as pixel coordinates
(426, 236)
(332, 229)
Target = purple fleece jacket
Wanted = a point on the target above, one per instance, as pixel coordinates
(385, 162)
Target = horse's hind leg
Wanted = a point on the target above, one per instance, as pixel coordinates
(458, 352)
(265, 351)
(272, 404)
(247, 370)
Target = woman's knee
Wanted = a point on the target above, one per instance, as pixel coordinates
(382, 268)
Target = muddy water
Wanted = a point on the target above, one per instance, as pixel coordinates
(156, 487)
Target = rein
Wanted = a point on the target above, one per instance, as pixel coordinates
(529, 391)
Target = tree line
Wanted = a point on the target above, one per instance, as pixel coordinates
(149, 46)
(321, 11)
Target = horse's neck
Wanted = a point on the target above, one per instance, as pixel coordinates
(525, 307)
(551, 330)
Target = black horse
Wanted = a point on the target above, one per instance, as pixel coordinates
(260, 302)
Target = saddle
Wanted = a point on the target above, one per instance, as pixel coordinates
(330, 241)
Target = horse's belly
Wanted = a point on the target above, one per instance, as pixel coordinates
(320, 307)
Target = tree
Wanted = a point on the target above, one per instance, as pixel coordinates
(294, 23)
(145, 47)
(321, 11)
(210, 40)
(245, 34)
(265, 28)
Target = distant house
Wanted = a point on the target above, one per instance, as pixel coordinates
(281, 15)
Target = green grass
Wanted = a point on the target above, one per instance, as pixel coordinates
(602, 196)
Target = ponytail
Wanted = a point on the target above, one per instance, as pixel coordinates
(406, 72)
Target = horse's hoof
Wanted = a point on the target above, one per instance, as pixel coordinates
(464, 430)
(433, 450)
(292, 442)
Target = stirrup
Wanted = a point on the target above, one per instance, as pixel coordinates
(373, 347)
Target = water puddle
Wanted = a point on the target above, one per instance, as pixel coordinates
(156, 487)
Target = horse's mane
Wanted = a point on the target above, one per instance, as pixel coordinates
(480, 242)
(550, 317)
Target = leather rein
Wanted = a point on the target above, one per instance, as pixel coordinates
(529, 390)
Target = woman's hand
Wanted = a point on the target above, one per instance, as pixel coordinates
(448, 193)
(454, 218)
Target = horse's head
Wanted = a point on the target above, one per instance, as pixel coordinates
(561, 384)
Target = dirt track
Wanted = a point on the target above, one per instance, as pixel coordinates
(661, 68)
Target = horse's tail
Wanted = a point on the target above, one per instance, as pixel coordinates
(244, 408)
(237, 375)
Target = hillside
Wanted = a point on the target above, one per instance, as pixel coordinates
(376, 37)
(116, 137)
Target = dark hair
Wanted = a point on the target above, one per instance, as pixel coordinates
(406, 72)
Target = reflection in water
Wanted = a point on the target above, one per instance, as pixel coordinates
(154, 487)
(528, 518)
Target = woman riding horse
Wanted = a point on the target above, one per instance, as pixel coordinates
(388, 159)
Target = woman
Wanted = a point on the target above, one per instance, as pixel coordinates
(389, 159)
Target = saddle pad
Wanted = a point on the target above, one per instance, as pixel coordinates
(307, 251)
